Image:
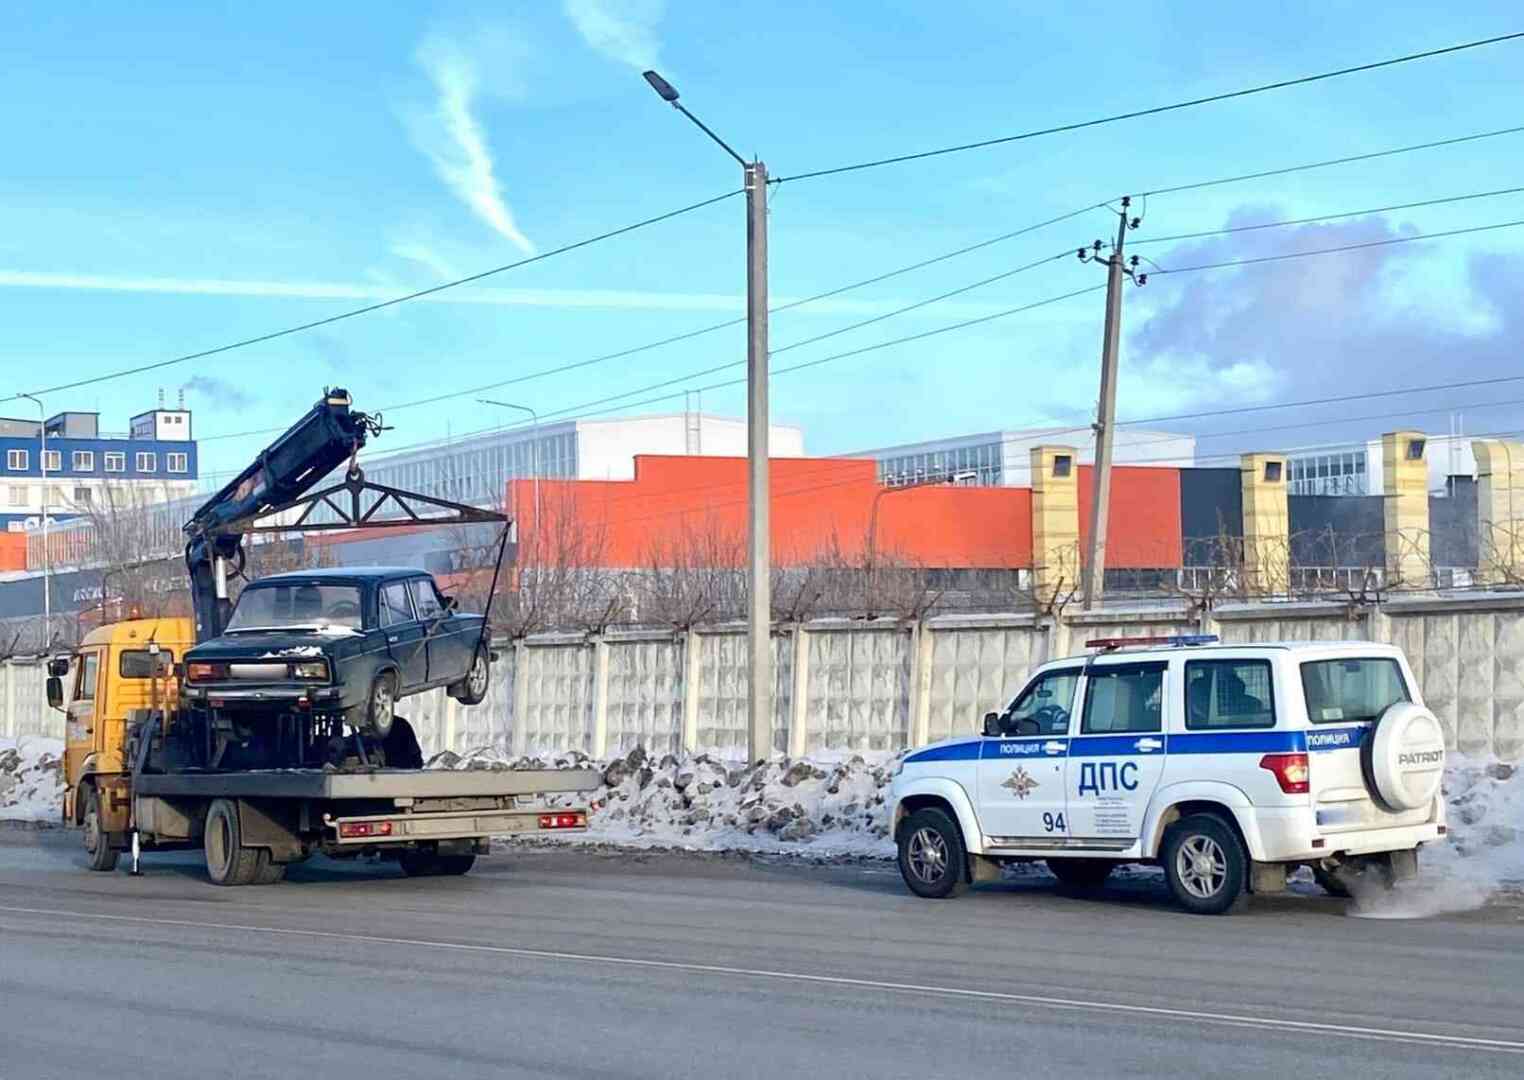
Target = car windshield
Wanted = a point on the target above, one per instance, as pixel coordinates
(1351, 691)
(298, 606)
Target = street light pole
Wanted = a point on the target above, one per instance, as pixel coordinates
(759, 575)
(536, 437)
(47, 558)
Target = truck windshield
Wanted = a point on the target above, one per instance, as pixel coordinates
(1351, 691)
(303, 606)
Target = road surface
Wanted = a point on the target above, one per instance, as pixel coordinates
(583, 964)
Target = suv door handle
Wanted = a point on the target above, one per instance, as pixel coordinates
(1147, 745)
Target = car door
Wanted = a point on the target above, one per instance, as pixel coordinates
(405, 635)
(1021, 770)
(80, 711)
(1117, 753)
(447, 645)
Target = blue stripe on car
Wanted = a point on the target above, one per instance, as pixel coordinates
(1318, 740)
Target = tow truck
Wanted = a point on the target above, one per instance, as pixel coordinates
(145, 764)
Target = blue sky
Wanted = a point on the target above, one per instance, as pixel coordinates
(179, 176)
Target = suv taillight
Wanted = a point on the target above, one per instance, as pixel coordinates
(1290, 772)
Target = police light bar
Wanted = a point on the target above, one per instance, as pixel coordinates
(1108, 643)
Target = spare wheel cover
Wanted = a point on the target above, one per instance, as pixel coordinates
(1405, 757)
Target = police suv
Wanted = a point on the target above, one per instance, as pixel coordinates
(1225, 764)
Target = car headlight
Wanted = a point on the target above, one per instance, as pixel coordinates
(310, 669)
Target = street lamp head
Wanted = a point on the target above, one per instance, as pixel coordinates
(667, 91)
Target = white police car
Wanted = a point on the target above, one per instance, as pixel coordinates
(1225, 764)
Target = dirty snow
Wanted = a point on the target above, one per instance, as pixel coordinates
(294, 650)
(31, 779)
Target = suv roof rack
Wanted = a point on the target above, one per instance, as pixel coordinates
(1111, 644)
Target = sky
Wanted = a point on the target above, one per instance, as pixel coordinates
(182, 176)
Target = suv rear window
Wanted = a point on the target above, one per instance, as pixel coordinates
(1351, 691)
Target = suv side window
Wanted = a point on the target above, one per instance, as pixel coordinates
(427, 599)
(1226, 694)
(1121, 699)
(1043, 708)
(395, 605)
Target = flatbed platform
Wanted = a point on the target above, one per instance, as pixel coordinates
(377, 784)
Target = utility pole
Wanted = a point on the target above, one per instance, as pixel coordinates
(1094, 570)
(759, 626)
(47, 556)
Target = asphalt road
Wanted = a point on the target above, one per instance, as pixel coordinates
(582, 964)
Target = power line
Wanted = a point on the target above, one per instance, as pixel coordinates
(1321, 217)
(563, 249)
(1266, 173)
(1341, 248)
(1155, 110)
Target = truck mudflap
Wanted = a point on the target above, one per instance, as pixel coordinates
(371, 830)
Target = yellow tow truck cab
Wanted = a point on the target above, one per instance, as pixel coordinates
(108, 677)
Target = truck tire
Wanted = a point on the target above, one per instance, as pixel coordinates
(381, 705)
(932, 858)
(1205, 864)
(102, 856)
(1081, 875)
(423, 862)
(472, 690)
(269, 872)
(228, 862)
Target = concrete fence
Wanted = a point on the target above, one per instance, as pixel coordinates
(846, 687)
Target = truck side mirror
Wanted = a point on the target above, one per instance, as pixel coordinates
(55, 691)
(58, 667)
(991, 724)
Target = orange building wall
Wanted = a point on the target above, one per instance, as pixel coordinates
(1143, 527)
(12, 551)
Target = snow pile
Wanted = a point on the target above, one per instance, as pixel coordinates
(701, 803)
(31, 779)
(1484, 856)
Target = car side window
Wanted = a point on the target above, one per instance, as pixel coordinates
(427, 599)
(89, 666)
(1122, 699)
(1043, 708)
(1225, 694)
(395, 605)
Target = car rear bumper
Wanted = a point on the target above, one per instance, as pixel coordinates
(1291, 835)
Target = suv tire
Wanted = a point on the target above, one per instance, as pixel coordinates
(1205, 864)
(381, 705)
(1081, 875)
(932, 858)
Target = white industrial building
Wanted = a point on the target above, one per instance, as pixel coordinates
(1003, 458)
(1357, 469)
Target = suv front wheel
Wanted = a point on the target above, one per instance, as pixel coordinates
(1205, 864)
(932, 858)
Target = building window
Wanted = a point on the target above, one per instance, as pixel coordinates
(146, 462)
(16, 460)
(18, 495)
(81, 496)
(84, 461)
(178, 463)
(52, 461)
(116, 462)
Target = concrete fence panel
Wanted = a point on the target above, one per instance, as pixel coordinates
(644, 703)
(975, 670)
(554, 686)
(859, 690)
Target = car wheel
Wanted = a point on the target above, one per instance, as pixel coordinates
(97, 843)
(1081, 875)
(472, 690)
(932, 858)
(382, 706)
(228, 862)
(1205, 864)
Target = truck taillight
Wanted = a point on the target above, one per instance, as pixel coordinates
(204, 672)
(1290, 772)
(562, 821)
(349, 830)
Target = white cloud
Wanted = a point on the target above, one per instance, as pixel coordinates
(624, 31)
(426, 256)
(452, 137)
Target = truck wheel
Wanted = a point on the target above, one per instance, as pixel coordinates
(1205, 864)
(382, 705)
(269, 871)
(98, 847)
(932, 857)
(472, 690)
(432, 864)
(228, 862)
(1081, 875)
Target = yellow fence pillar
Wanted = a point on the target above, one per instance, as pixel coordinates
(1405, 506)
(1055, 521)
(1267, 524)
(1499, 510)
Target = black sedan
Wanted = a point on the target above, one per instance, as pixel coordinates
(344, 644)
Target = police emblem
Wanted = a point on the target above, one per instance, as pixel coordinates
(1021, 782)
